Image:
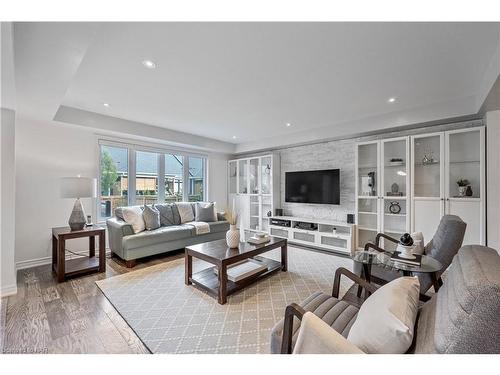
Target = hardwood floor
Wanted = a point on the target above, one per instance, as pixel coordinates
(70, 317)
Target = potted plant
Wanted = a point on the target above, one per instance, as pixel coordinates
(462, 187)
(233, 234)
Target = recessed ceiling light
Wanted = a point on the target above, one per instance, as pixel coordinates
(288, 124)
(234, 137)
(391, 100)
(149, 64)
(106, 105)
(401, 173)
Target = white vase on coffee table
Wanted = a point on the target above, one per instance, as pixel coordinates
(233, 237)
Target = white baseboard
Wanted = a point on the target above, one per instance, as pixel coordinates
(48, 260)
(8, 290)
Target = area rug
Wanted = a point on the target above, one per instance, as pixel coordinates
(170, 317)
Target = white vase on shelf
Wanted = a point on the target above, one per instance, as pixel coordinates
(233, 237)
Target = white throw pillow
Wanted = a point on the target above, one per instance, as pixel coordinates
(386, 320)
(133, 216)
(185, 211)
(418, 241)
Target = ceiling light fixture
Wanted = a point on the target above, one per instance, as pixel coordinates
(234, 137)
(106, 105)
(391, 100)
(149, 64)
(288, 124)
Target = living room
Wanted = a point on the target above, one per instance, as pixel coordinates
(250, 187)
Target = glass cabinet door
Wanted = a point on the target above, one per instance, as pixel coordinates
(367, 199)
(265, 175)
(395, 178)
(242, 176)
(427, 180)
(233, 176)
(253, 176)
(427, 166)
(367, 170)
(464, 158)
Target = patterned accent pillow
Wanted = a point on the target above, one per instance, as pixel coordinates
(151, 217)
(166, 214)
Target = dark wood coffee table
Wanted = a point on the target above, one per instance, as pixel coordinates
(218, 254)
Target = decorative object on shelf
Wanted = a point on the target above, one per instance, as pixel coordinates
(468, 191)
(394, 208)
(78, 187)
(394, 191)
(233, 234)
(396, 161)
(350, 218)
(334, 231)
(371, 183)
(462, 187)
(279, 211)
(405, 247)
(269, 214)
(428, 159)
(89, 221)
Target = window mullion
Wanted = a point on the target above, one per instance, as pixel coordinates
(185, 166)
(161, 178)
(131, 176)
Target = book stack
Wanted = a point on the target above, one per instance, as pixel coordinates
(241, 270)
(259, 239)
(415, 261)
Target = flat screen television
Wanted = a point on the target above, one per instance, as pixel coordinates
(313, 186)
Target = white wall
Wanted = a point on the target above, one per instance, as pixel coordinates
(493, 178)
(7, 207)
(48, 150)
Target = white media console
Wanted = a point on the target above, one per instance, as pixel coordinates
(328, 235)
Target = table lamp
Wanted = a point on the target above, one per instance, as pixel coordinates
(78, 187)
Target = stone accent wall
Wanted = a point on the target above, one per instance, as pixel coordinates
(329, 155)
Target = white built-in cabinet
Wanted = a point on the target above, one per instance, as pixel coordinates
(382, 188)
(439, 160)
(254, 190)
(407, 184)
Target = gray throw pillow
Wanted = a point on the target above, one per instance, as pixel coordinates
(175, 212)
(151, 217)
(205, 212)
(168, 214)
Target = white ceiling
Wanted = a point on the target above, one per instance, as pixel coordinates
(220, 80)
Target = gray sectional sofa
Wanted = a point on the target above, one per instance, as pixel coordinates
(172, 235)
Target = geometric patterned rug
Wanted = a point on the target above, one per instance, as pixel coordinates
(170, 317)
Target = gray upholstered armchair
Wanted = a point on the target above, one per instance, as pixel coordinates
(443, 247)
(461, 318)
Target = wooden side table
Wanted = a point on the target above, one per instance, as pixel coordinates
(80, 265)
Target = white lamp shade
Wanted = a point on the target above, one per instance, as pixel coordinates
(78, 187)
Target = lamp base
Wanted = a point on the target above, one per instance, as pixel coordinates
(77, 219)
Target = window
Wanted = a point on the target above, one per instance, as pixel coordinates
(146, 178)
(196, 179)
(113, 179)
(174, 170)
(157, 176)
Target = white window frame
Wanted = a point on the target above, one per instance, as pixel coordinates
(134, 146)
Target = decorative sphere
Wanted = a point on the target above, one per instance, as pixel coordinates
(406, 240)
